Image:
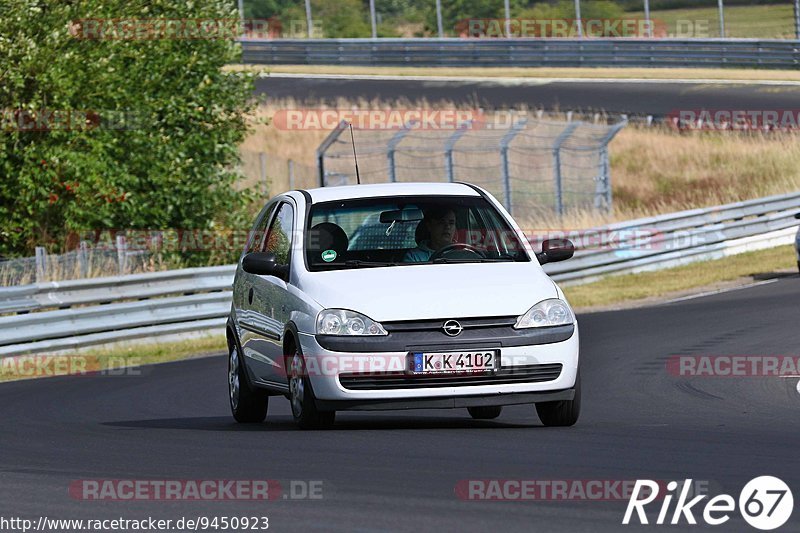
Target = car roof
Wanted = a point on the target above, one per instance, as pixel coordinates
(377, 190)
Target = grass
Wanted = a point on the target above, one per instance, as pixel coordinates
(110, 359)
(763, 22)
(531, 72)
(631, 287)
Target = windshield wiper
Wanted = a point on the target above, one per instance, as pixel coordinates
(481, 260)
(357, 263)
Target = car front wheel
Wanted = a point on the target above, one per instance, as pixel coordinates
(301, 396)
(248, 404)
(563, 412)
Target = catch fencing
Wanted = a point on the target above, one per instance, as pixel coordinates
(84, 262)
(533, 166)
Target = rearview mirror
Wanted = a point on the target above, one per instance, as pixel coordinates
(401, 215)
(554, 250)
(263, 264)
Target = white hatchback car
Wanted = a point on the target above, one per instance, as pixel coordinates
(398, 296)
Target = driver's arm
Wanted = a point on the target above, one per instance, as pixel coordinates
(417, 255)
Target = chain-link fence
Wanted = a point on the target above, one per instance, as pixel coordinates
(532, 166)
(268, 174)
(84, 262)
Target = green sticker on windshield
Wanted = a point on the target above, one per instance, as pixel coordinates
(328, 255)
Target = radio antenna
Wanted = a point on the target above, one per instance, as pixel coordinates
(355, 157)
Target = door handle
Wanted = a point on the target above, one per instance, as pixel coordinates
(250, 296)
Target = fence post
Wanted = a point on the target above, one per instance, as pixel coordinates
(323, 147)
(603, 190)
(439, 27)
(291, 175)
(83, 259)
(504, 143)
(448, 149)
(563, 136)
(392, 147)
(122, 254)
(796, 7)
(41, 264)
(262, 164)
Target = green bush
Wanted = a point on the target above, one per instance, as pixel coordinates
(169, 163)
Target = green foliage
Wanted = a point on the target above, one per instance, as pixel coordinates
(170, 164)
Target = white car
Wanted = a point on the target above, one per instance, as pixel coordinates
(398, 296)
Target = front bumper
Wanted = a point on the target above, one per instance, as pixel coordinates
(325, 368)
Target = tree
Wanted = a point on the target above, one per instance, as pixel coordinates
(164, 120)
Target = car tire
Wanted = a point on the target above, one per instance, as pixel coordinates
(248, 404)
(301, 396)
(488, 412)
(563, 412)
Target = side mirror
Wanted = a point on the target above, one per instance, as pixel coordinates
(263, 264)
(797, 216)
(554, 250)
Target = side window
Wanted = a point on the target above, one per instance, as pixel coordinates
(279, 237)
(255, 241)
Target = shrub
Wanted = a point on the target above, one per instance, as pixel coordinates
(169, 162)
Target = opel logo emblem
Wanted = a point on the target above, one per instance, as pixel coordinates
(452, 328)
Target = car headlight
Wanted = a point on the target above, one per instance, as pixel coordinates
(552, 312)
(344, 322)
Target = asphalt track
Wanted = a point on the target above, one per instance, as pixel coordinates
(397, 471)
(656, 98)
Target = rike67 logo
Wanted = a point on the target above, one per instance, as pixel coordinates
(765, 503)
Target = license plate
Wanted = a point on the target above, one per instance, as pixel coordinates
(452, 362)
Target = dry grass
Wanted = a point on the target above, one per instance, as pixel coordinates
(657, 170)
(763, 22)
(654, 170)
(67, 267)
(521, 72)
(631, 287)
(110, 360)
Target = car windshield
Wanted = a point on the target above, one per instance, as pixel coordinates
(401, 231)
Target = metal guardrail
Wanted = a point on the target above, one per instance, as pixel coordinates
(105, 290)
(682, 237)
(455, 52)
(59, 316)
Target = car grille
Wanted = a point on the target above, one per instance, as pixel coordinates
(437, 324)
(400, 380)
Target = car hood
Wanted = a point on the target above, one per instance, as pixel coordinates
(418, 292)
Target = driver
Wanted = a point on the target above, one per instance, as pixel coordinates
(439, 223)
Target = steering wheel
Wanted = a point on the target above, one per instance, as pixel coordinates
(456, 246)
